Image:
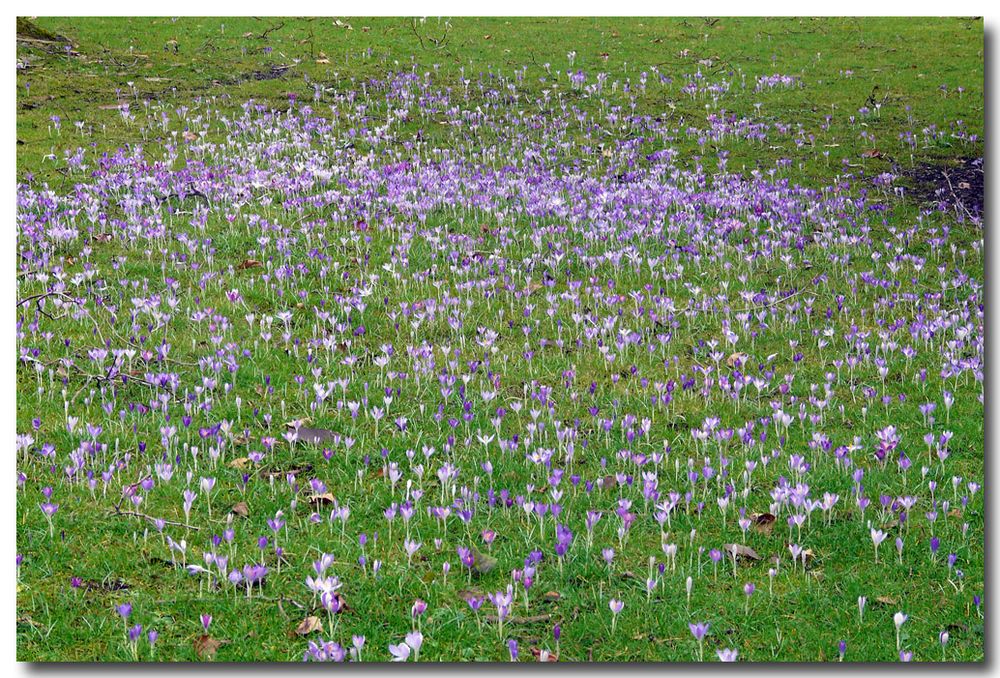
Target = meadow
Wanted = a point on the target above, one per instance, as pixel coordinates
(538, 339)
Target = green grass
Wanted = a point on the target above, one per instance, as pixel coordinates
(900, 64)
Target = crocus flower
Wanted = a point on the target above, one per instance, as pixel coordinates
(415, 639)
(898, 620)
(698, 630)
(728, 654)
(616, 608)
(400, 653)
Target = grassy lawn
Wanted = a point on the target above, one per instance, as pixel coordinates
(478, 338)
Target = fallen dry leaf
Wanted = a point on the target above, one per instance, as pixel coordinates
(741, 551)
(763, 522)
(206, 646)
(321, 499)
(309, 625)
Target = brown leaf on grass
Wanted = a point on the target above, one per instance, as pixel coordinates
(206, 646)
(321, 499)
(763, 522)
(29, 621)
(741, 551)
(241, 509)
(309, 625)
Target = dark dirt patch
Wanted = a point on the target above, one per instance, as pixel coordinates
(107, 586)
(954, 181)
(274, 72)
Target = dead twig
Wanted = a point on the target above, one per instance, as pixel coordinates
(263, 36)
(958, 201)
